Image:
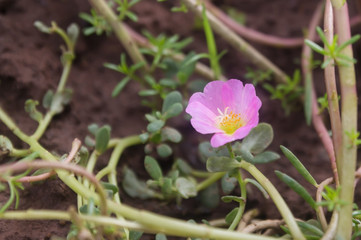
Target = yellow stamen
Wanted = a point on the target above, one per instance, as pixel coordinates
(229, 122)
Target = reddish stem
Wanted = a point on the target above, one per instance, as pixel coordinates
(307, 72)
(75, 147)
(253, 35)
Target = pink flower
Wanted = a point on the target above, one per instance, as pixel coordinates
(227, 109)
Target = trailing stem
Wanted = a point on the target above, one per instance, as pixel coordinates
(238, 43)
(120, 31)
(347, 164)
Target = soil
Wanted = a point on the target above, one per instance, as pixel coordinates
(29, 66)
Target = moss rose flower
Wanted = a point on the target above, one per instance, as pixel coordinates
(227, 109)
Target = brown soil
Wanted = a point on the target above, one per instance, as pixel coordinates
(29, 66)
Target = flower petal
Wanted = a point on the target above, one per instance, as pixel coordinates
(203, 119)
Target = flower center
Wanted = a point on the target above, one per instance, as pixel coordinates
(229, 122)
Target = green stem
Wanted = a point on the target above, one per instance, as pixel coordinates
(347, 164)
(120, 31)
(212, 47)
(181, 228)
(277, 199)
(201, 174)
(209, 181)
(242, 186)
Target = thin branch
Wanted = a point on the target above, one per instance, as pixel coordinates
(120, 31)
(261, 225)
(22, 166)
(319, 210)
(307, 73)
(251, 34)
(330, 82)
(75, 147)
(200, 68)
(237, 42)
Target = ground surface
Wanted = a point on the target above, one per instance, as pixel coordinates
(29, 66)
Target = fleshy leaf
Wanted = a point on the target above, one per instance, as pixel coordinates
(171, 134)
(183, 166)
(160, 236)
(221, 164)
(155, 126)
(167, 187)
(30, 107)
(134, 187)
(298, 188)
(228, 183)
(102, 138)
(228, 199)
(185, 187)
(153, 168)
(164, 150)
(299, 166)
(209, 197)
(48, 98)
(173, 110)
(258, 139)
(170, 100)
(265, 157)
(231, 215)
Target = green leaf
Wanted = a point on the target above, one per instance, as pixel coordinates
(93, 128)
(155, 126)
(48, 98)
(102, 138)
(42, 27)
(160, 236)
(30, 107)
(265, 157)
(228, 183)
(167, 187)
(206, 151)
(171, 134)
(185, 187)
(315, 47)
(299, 166)
(60, 100)
(73, 32)
(120, 86)
(231, 215)
(173, 110)
(171, 99)
(108, 186)
(308, 99)
(144, 137)
(135, 235)
(228, 199)
(134, 187)
(209, 197)
(6, 145)
(153, 168)
(147, 93)
(221, 164)
(164, 150)
(310, 229)
(298, 188)
(183, 166)
(259, 186)
(258, 139)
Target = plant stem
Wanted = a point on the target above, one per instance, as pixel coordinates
(181, 228)
(120, 31)
(330, 81)
(212, 47)
(209, 181)
(200, 68)
(242, 204)
(277, 199)
(238, 43)
(347, 164)
(251, 34)
(310, 95)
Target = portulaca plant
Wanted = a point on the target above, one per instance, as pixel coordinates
(228, 109)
